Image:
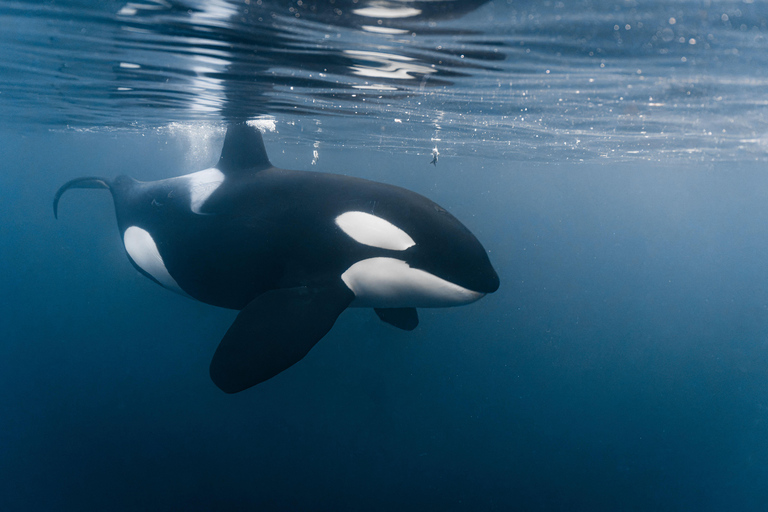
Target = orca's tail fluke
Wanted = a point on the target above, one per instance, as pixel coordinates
(88, 182)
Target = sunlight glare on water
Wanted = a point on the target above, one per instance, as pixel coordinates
(534, 80)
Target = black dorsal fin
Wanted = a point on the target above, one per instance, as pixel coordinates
(243, 150)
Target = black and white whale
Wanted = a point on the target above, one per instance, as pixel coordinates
(291, 250)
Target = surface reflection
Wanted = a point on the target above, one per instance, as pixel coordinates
(238, 56)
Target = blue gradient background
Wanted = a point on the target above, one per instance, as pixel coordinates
(623, 364)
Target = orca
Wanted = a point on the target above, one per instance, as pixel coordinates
(290, 250)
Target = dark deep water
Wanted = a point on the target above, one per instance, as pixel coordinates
(622, 365)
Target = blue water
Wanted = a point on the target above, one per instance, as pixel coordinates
(617, 177)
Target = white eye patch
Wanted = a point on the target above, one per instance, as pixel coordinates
(374, 231)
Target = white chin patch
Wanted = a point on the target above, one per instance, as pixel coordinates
(391, 283)
(374, 231)
(201, 185)
(143, 251)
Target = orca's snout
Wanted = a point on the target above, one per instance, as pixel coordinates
(490, 282)
(479, 274)
(485, 280)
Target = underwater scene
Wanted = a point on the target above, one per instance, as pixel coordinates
(407, 255)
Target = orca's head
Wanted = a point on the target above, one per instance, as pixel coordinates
(445, 248)
(428, 259)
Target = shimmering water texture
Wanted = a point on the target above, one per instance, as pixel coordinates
(538, 80)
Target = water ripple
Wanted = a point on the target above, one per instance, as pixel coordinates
(542, 80)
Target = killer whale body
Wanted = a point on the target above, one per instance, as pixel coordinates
(291, 250)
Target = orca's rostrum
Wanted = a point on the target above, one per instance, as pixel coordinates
(291, 250)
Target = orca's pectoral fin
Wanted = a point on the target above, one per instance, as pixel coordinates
(273, 332)
(403, 318)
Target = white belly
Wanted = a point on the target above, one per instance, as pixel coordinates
(391, 283)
